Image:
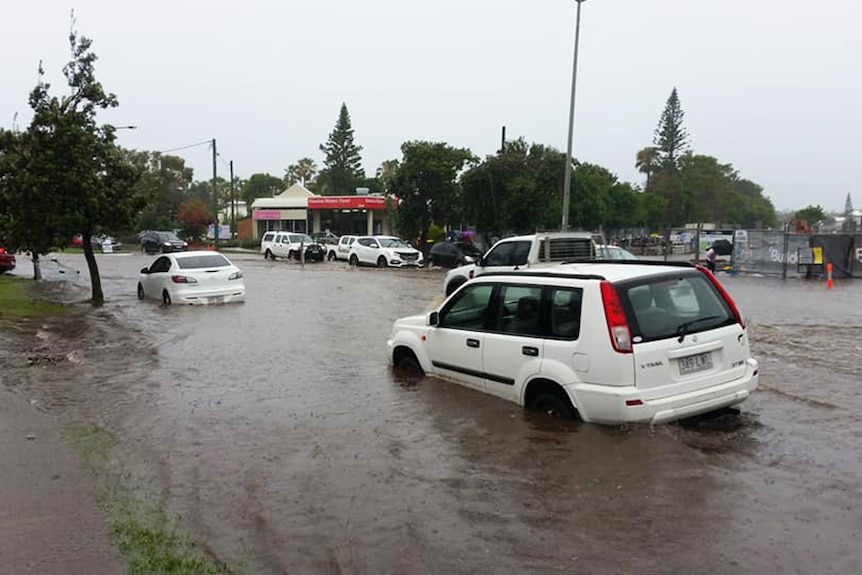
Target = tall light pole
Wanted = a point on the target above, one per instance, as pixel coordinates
(567, 180)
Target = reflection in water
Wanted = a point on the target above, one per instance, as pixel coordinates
(277, 431)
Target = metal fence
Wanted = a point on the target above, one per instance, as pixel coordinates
(768, 252)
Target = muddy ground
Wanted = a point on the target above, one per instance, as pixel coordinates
(276, 433)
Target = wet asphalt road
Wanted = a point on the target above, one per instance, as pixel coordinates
(276, 431)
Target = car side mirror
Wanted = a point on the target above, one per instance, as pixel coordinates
(434, 318)
(145, 270)
(480, 261)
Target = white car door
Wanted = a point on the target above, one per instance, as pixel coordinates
(455, 345)
(281, 246)
(513, 347)
(506, 256)
(157, 278)
(367, 250)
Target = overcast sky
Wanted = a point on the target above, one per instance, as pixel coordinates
(772, 87)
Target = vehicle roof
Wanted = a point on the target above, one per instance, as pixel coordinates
(579, 235)
(613, 271)
(192, 253)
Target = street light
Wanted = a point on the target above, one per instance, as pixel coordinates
(122, 127)
(567, 180)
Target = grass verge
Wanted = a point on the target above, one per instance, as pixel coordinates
(17, 301)
(151, 542)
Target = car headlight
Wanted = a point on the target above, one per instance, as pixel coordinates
(235, 276)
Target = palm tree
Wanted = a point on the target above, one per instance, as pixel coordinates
(303, 171)
(647, 162)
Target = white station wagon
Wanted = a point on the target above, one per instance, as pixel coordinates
(607, 342)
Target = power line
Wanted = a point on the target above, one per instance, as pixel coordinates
(205, 142)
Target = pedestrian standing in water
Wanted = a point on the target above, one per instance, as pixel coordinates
(710, 259)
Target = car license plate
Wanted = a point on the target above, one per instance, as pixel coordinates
(216, 299)
(695, 363)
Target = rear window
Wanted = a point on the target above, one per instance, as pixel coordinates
(203, 261)
(667, 307)
(563, 249)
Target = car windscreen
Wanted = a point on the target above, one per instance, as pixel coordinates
(301, 238)
(393, 243)
(203, 261)
(167, 237)
(670, 306)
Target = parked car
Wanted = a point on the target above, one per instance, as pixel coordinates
(325, 239)
(341, 250)
(606, 342)
(162, 242)
(614, 253)
(192, 277)
(384, 251)
(97, 242)
(453, 254)
(7, 261)
(525, 252)
(290, 245)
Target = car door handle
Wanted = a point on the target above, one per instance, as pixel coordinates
(530, 350)
(472, 342)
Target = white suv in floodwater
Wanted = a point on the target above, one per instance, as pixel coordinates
(604, 342)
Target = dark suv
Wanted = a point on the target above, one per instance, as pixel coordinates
(162, 242)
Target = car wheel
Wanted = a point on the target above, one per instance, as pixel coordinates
(382, 263)
(453, 285)
(267, 255)
(331, 256)
(354, 261)
(291, 255)
(554, 406)
(407, 364)
(141, 294)
(166, 297)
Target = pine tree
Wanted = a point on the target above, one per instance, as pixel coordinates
(671, 138)
(848, 205)
(342, 171)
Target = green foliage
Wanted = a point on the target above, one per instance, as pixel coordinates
(261, 186)
(65, 174)
(436, 233)
(342, 172)
(303, 171)
(516, 191)
(426, 184)
(810, 215)
(647, 162)
(671, 138)
(164, 184)
(194, 216)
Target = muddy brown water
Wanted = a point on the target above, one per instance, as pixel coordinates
(278, 435)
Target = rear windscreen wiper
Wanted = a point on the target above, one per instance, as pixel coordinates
(682, 329)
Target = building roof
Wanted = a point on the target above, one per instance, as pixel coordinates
(296, 196)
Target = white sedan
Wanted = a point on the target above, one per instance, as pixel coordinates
(195, 278)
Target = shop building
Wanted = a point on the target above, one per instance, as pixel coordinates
(297, 209)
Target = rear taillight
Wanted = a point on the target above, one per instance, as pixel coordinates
(618, 325)
(724, 295)
(183, 280)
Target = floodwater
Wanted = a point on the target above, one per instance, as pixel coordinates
(276, 432)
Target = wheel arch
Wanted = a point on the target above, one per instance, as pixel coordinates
(539, 386)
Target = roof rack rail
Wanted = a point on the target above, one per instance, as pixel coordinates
(542, 274)
(630, 262)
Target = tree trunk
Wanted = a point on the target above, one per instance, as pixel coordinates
(98, 298)
(37, 268)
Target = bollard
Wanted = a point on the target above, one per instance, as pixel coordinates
(829, 276)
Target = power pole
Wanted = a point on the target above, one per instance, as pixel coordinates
(232, 203)
(215, 198)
